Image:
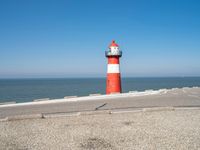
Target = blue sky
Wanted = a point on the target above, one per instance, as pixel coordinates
(67, 38)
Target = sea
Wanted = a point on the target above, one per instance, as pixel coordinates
(25, 90)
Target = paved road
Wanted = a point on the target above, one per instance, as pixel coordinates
(185, 97)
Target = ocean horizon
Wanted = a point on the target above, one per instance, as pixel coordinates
(29, 89)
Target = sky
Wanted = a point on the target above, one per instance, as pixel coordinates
(68, 38)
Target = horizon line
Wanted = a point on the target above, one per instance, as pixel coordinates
(99, 77)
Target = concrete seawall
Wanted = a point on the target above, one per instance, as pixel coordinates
(86, 98)
(183, 97)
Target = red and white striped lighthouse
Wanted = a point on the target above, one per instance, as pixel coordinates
(113, 83)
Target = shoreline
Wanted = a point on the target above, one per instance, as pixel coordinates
(22, 90)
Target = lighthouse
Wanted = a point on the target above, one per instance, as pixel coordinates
(113, 83)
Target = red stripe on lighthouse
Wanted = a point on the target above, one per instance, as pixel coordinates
(113, 83)
(113, 60)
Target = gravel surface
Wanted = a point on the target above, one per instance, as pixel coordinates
(179, 129)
